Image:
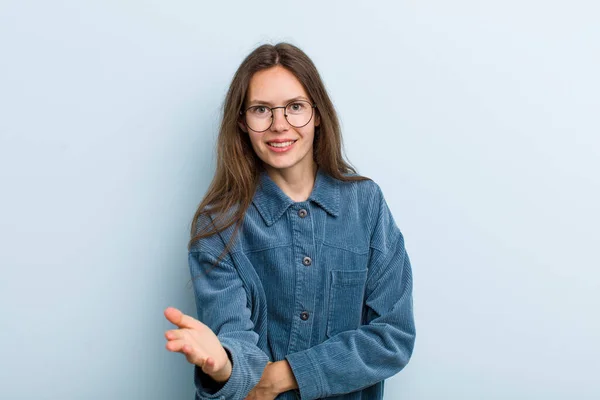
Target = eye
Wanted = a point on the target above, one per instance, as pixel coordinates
(258, 110)
(297, 106)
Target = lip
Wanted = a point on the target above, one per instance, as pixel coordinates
(281, 149)
(281, 140)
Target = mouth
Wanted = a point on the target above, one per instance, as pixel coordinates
(281, 145)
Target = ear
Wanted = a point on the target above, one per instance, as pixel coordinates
(317, 119)
(242, 126)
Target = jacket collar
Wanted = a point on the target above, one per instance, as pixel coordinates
(272, 202)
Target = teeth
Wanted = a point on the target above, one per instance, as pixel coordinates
(284, 144)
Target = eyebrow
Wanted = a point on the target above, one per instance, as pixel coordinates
(256, 101)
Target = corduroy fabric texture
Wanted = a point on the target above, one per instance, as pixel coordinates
(325, 283)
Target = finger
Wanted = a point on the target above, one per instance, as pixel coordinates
(176, 345)
(174, 334)
(209, 365)
(192, 355)
(178, 318)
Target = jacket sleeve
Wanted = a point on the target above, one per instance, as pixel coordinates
(355, 359)
(221, 303)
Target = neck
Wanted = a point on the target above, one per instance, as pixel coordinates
(296, 183)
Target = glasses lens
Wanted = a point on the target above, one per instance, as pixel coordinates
(299, 113)
(258, 118)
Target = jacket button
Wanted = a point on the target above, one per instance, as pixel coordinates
(303, 315)
(302, 213)
(306, 261)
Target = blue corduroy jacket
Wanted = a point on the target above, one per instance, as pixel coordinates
(325, 284)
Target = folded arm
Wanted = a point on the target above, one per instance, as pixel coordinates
(355, 359)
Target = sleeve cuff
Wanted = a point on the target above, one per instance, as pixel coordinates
(307, 374)
(207, 388)
(204, 381)
(245, 374)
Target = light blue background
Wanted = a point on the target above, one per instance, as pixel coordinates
(479, 119)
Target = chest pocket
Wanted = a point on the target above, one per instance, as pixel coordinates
(346, 296)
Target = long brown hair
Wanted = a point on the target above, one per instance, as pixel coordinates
(238, 167)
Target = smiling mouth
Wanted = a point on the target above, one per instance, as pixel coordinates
(282, 144)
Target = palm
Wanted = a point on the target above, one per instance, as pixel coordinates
(198, 343)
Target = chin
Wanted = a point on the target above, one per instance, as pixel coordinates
(282, 162)
(280, 165)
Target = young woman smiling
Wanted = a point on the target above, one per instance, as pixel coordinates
(303, 285)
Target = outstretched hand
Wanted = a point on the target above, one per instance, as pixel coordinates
(198, 343)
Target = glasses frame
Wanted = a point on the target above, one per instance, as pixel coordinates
(312, 113)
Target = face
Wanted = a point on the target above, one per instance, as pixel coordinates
(282, 147)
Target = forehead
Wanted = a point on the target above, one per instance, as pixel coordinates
(274, 85)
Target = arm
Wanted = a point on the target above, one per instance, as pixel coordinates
(355, 359)
(221, 305)
(277, 378)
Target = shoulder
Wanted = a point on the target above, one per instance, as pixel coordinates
(212, 221)
(366, 191)
(362, 181)
(372, 204)
(364, 198)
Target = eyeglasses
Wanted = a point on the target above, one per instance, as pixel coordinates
(298, 113)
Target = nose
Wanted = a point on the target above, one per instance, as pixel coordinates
(280, 123)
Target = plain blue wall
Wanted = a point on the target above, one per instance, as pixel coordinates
(479, 119)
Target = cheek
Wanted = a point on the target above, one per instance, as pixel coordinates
(255, 141)
(309, 136)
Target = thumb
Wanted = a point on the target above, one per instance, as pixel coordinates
(178, 318)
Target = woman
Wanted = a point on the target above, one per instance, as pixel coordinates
(302, 282)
